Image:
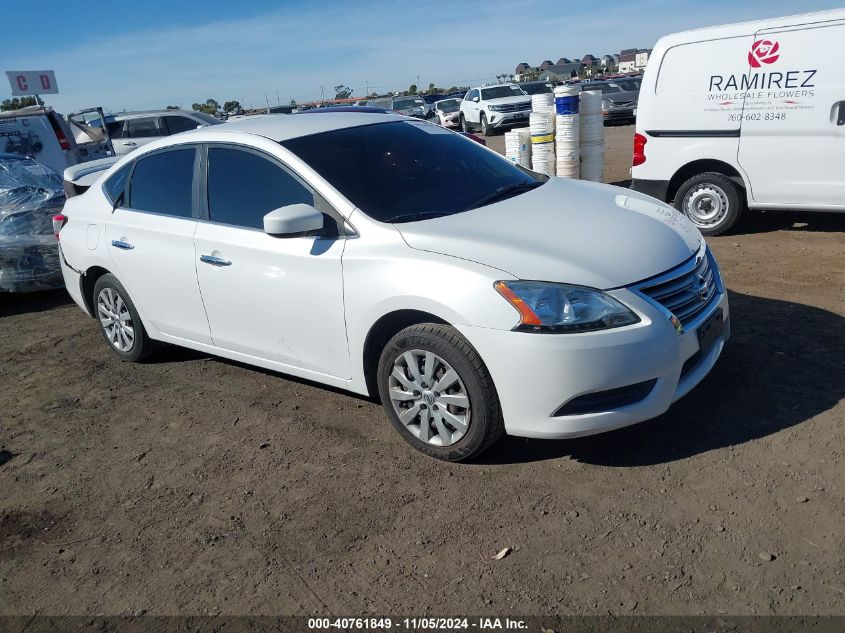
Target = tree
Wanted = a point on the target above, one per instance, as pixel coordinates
(413, 89)
(209, 107)
(342, 92)
(232, 107)
(17, 104)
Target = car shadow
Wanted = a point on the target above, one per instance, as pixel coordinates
(782, 366)
(27, 302)
(753, 222)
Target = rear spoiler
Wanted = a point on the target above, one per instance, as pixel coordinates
(78, 178)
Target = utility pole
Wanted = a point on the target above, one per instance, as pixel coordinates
(267, 99)
(278, 102)
(418, 83)
(367, 89)
(322, 95)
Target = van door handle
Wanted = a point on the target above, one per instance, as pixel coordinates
(215, 261)
(126, 246)
(130, 143)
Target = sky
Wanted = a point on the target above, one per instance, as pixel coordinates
(177, 52)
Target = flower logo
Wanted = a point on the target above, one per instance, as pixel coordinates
(763, 52)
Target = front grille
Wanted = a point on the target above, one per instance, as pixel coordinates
(688, 292)
(514, 107)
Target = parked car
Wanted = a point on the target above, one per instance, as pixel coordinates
(447, 112)
(388, 256)
(53, 140)
(30, 195)
(747, 115)
(536, 87)
(492, 108)
(132, 130)
(409, 106)
(617, 105)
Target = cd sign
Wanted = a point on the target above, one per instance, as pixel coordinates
(32, 82)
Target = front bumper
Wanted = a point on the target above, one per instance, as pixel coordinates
(535, 374)
(505, 119)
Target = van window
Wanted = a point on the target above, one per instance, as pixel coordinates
(243, 187)
(163, 183)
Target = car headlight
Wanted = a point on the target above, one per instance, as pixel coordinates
(605, 104)
(551, 307)
(495, 108)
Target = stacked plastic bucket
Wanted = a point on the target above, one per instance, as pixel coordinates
(518, 147)
(592, 135)
(567, 131)
(541, 123)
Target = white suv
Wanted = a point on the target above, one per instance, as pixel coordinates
(494, 107)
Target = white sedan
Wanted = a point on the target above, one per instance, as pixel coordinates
(392, 257)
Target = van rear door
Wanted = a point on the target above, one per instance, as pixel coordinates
(792, 143)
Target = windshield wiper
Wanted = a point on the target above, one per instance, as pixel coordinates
(416, 215)
(503, 192)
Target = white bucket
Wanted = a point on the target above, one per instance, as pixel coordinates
(590, 102)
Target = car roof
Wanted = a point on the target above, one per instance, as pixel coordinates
(281, 127)
(122, 116)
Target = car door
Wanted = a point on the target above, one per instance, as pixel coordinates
(275, 298)
(792, 142)
(150, 237)
(472, 108)
(139, 131)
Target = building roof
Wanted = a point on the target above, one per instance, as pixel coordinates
(562, 70)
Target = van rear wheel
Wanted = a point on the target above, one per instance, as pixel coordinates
(711, 201)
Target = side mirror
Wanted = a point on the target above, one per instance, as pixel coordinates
(293, 219)
(475, 99)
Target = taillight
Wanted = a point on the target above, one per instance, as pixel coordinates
(639, 149)
(59, 221)
(60, 135)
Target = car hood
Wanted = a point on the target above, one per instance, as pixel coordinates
(565, 231)
(506, 100)
(623, 97)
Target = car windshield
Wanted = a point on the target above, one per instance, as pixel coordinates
(450, 105)
(406, 170)
(498, 92)
(405, 104)
(206, 118)
(536, 89)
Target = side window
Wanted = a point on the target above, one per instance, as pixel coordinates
(115, 128)
(472, 94)
(116, 183)
(243, 187)
(163, 183)
(176, 124)
(144, 127)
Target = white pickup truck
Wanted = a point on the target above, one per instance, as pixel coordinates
(494, 107)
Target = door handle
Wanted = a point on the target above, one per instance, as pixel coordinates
(130, 143)
(215, 261)
(126, 246)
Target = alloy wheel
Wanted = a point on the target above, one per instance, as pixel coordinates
(429, 397)
(116, 320)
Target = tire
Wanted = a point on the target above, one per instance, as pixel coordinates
(442, 438)
(466, 128)
(485, 127)
(711, 201)
(109, 299)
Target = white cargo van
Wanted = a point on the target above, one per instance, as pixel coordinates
(745, 115)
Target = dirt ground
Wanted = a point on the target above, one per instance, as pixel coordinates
(194, 485)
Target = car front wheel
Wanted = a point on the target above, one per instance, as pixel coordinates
(711, 201)
(465, 126)
(119, 322)
(438, 393)
(485, 127)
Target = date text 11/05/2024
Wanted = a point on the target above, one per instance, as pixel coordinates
(413, 624)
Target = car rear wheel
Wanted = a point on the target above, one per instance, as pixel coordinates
(119, 322)
(485, 127)
(711, 201)
(438, 393)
